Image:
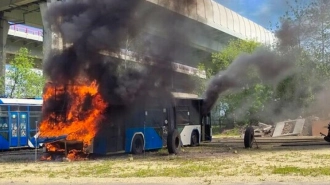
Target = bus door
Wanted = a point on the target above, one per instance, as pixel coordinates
(4, 130)
(206, 128)
(166, 125)
(18, 129)
(157, 119)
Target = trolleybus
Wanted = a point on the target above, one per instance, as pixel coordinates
(18, 122)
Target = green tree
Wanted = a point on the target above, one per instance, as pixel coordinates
(311, 27)
(22, 80)
(221, 60)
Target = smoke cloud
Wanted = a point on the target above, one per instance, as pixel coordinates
(271, 68)
(296, 58)
(91, 27)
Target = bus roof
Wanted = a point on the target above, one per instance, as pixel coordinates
(16, 101)
(180, 95)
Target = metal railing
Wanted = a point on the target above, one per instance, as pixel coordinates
(27, 30)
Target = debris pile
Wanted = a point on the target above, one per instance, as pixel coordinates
(320, 126)
(288, 127)
(310, 126)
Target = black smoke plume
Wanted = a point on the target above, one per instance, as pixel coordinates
(91, 27)
(271, 68)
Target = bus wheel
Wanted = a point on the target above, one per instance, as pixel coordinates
(173, 142)
(248, 137)
(137, 144)
(194, 138)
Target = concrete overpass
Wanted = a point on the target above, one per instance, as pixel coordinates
(21, 36)
(211, 27)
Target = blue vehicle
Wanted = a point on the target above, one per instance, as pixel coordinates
(18, 122)
(150, 125)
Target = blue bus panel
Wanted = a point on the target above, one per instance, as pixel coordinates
(4, 134)
(153, 140)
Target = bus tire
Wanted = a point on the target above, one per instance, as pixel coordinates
(137, 144)
(173, 142)
(194, 138)
(249, 137)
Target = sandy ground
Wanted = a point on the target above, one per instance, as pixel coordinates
(165, 181)
(208, 164)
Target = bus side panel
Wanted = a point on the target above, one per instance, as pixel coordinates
(99, 146)
(4, 140)
(108, 140)
(207, 128)
(152, 138)
(186, 132)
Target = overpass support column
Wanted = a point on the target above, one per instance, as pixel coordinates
(4, 28)
(50, 39)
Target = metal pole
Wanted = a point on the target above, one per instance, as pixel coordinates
(36, 143)
(144, 143)
(255, 141)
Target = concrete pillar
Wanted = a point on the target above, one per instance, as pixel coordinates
(51, 40)
(4, 28)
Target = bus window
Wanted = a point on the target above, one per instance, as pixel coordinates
(4, 128)
(3, 107)
(23, 108)
(32, 122)
(3, 123)
(14, 108)
(182, 117)
(155, 117)
(35, 108)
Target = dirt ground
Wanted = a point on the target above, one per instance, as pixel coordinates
(207, 164)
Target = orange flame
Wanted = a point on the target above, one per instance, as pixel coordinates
(75, 155)
(53, 147)
(78, 124)
(46, 158)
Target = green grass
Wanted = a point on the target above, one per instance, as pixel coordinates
(51, 175)
(192, 170)
(235, 132)
(30, 171)
(194, 162)
(293, 170)
(323, 156)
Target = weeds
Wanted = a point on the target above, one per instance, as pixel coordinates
(195, 162)
(293, 170)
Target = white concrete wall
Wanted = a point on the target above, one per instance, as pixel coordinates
(26, 33)
(219, 17)
(32, 37)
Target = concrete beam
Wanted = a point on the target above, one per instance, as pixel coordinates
(32, 17)
(10, 4)
(35, 49)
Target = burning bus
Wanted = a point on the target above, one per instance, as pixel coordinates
(102, 100)
(71, 129)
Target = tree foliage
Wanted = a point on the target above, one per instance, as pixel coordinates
(250, 99)
(22, 80)
(311, 25)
